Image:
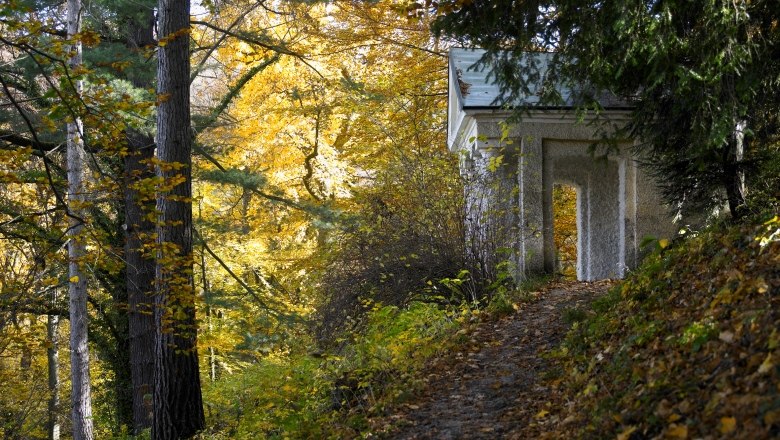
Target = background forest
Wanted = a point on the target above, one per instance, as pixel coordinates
(320, 180)
(328, 256)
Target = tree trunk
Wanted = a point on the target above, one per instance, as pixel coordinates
(734, 173)
(52, 359)
(178, 407)
(139, 230)
(81, 404)
(140, 279)
(209, 313)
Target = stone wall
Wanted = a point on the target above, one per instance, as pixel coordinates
(617, 203)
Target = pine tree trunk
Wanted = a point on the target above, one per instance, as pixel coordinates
(140, 268)
(53, 362)
(140, 280)
(178, 407)
(81, 404)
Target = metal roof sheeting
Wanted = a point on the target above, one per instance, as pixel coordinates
(477, 88)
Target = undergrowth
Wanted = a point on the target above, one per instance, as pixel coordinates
(333, 396)
(327, 395)
(687, 347)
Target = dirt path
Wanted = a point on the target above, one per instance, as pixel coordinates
(495, 388)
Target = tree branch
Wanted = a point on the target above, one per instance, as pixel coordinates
(241, 282)
(252, 40)
(21, 141)
(234, 91)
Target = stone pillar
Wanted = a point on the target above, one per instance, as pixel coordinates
(604, 220)
(583, 230)
(491, 205)
(531, 197)
(548, 228)
(621, 269)
(629, 219)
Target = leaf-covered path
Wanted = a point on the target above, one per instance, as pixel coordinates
(496, 386)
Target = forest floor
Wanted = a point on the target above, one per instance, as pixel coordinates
(500, 384)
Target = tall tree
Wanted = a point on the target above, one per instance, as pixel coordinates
(53, 363)
(140, 266)
(81, 400)
(140, 270)
(178, 407)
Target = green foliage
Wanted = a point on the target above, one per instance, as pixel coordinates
(269, 400)
(702, 77)
(334, 394)
(233, 176)
(574, 314)
(504, 297)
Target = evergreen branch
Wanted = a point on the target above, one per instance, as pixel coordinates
(200, 150)
(238, 279)
(252, 40)
(57, 195)
(235, 90)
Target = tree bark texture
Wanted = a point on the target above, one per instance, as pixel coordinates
(53, 363)
(178, 407)
(140, 274)
(81, 404)
(139, 230)
(734, 172)
(209, 318)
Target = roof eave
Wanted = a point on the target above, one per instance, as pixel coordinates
(537, 107)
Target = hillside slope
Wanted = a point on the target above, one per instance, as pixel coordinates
(687, 347)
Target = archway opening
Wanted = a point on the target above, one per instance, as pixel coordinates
(565, 229)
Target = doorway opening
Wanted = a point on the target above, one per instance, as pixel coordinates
(565, 229)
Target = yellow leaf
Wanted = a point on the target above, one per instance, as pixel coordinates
(52, 281)
(772, 417)
(774, 340)
(677, 431)
(727, 425)
(673, 418)
(767, 365)
(74, 279)
(625, 435)
(664, 243)
(541, 414)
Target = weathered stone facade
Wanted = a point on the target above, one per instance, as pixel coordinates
(510, 171)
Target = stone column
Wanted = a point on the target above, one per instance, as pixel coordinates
(548, 229)
(629, 218)
(531, 197)
(604, 221)
(653, 215)
(621, 270)
(583, 229)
